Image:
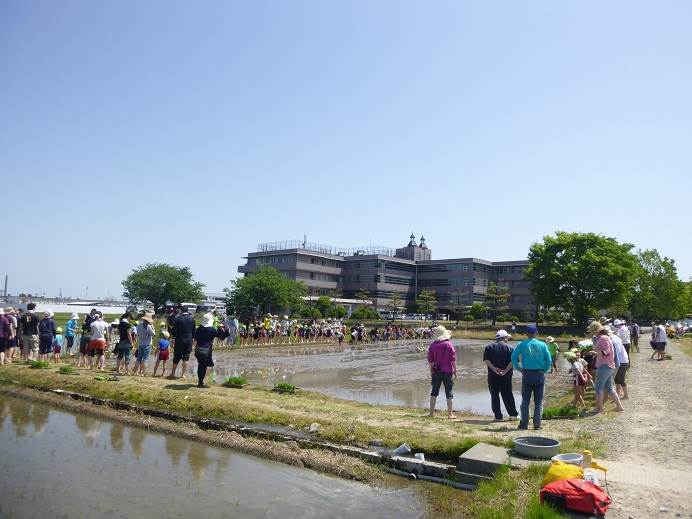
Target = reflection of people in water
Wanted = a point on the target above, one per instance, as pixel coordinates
(198, 459)
(117, 435)
(137, 436)
(90, 427)
(39, 417)
(175, 449)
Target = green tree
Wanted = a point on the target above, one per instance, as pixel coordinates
(394, 304)
(266, 290)
(496, 298)
(477, 311)
(160, 283)
(323, 304)
(580, 272)
(364, 313)
(658, 293)
(426, 302)
(363, 295)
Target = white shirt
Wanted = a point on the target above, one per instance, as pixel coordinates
(620, 352)
(98, 330)
(624, 334)
(660, 334)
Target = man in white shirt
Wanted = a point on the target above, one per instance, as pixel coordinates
(624, 333)
(622, 363)
(98, 343)
(659, 339)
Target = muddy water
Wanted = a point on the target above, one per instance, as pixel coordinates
(56, 464)
(385, 373)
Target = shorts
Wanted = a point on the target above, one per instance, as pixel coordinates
(3, 344)
(97, 347)
(181, 351)
(11, 343)
(124, 350)
(45, 344)
(439, 378)
(84, 345)
(604, 379)
(30, 343)
(164, 354)
(57, 349)
(70, 341)
(621, 373)
(143, 353)
(660, 346)
(579, 382)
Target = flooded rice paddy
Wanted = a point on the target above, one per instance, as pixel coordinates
(58, 464)
(389, 373)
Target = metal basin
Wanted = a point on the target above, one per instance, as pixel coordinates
(536, 446)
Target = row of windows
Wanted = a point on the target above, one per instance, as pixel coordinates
(395, 280)
(319, 276)
(320, 261)
(274, 260)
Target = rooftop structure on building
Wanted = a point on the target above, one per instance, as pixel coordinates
(405, 271)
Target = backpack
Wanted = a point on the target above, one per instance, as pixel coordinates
(576, 495)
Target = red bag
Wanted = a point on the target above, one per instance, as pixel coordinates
(576, 495)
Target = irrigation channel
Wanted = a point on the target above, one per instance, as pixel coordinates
(58, 464)
(385, 373)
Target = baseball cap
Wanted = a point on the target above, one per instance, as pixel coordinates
(531, 328)
(501, 334)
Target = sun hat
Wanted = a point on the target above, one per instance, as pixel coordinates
(2, 311)
(48, 313)
(531, 328)
(618, 322)
(550, 338)
(164, 333)
(570, 355)
(501, 334)
(148, 318)
(605, 320)
(9, 310)
(440, 333)
(58, 329)
(595, 327)
(74, 315)
(207, 320)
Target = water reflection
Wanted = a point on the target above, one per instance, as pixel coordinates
(157, 469)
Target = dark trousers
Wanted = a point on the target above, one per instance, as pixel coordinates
(497, 386)
(532, 383)
(201, 373)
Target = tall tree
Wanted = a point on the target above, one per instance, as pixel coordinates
(496, 298)
(394, 304)
(658, 293)
(362, 295)
(426, 302)
(477, 310)
(266, 290)
(160, 283)
(581, 272)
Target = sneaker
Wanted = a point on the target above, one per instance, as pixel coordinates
(523, 427)
(537, 427)
(514, 417)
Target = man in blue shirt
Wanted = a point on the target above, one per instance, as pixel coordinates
(535, 363)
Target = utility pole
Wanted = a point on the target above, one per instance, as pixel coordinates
(5, 292)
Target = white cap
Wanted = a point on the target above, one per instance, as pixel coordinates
(618, 322)
(501, 334)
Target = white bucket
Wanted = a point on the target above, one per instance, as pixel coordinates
(573, 458)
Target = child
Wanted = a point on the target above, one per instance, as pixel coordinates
(164, 346)
(580, 377)
(57, 344)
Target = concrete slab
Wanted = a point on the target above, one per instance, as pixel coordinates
(470, 479)
(483, 459)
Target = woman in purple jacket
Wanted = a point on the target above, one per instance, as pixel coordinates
(442, 358)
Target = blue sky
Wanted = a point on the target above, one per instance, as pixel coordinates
(188, 132)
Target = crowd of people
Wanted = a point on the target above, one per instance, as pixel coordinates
(600, 362)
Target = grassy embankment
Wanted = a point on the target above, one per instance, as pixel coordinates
(685, 345)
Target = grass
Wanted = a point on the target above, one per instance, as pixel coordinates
(559, 412)
(67, 370)
(235, 382)
(685, 345)
(285, 387)
(39, 364)
(511, 494)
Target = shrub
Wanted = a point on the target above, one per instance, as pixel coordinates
(285, 387)
(39, 364)
(235, 381)
(67, 370)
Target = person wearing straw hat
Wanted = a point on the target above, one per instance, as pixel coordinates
(145, 333)
(442, 358)
(535, 363)
(605, 366)
(498, 357)
(12, 338)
